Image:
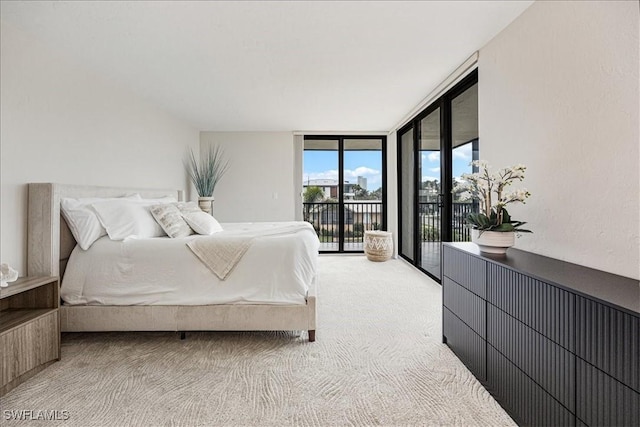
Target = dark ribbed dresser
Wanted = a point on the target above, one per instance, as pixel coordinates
(555, 343)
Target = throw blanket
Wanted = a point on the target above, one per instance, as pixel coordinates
(222, 251)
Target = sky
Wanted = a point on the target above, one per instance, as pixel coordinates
(324, 165)
(462, 156)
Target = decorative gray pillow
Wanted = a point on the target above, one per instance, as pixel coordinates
(170, 219)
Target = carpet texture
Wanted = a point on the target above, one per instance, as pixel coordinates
(378, 360)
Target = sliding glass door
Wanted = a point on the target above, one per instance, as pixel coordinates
(407, 173)
(434, 149)
(464, 148)
(429, 193)
(344, 189)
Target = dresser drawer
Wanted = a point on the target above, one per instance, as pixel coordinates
(545, 308)
(609, 339)
(466, 270)
(603, 401)
(547, 363)
(523, 399)
(466, 305)
(466, 344)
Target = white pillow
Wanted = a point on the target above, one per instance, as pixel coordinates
(161, 200)
(82, 219)
(202, 223)
(128, 218)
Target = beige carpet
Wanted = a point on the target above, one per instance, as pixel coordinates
(378, 360)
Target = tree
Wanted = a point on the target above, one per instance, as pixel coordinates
(362, 194)
(313, 194)
(430, 185)
(359, 193)
(376, 194)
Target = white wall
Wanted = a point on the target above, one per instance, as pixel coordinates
(63, 123)
(559, 92)
(259, 185)
(298, 157)
(392, 189)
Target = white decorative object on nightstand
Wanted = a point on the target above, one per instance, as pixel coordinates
(7, 274)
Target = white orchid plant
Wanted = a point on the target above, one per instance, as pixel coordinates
(482, 185)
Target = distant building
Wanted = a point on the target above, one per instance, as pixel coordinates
(330, 187)
(349, 193)
(362, 182)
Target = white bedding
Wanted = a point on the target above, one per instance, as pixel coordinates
(276, 269)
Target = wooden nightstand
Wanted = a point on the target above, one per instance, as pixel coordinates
(29, 329)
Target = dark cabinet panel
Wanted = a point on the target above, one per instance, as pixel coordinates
(468, 271)
(466, 344)
(609, 339)
(603, 401)
(466, 305)
(555, 343)
(548, 364)
(525, 401)
(545, 308)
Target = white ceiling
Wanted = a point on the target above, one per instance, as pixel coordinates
(272, 66)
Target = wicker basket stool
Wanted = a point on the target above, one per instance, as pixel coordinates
(378, 245)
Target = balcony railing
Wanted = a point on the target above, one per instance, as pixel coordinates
(358, 218)
(429, 220)
(362, 216)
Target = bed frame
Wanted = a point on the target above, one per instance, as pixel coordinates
(50, 243)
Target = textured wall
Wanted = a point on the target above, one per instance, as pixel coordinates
(392, 189)
(64, 123)
(259, 185)
(559, 92)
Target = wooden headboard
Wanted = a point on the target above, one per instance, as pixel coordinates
(49, 240)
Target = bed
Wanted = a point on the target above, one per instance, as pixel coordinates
(51, 246)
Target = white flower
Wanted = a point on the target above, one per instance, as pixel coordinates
(498, 179)
(465, 196)
(481, 164)
(482, 185)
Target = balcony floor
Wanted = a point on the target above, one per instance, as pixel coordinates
(348, 247)
(430, 261)
(430, 253)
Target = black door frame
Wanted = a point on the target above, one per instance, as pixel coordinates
(340, 139)
(446, 168)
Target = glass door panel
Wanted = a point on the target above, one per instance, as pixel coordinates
(464, 143)
(321, 190)
(434, 150)
(362, 190)
(429, 200)
(344, 189)
(407, 179)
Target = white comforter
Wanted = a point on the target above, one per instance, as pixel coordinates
(276, 269)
